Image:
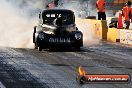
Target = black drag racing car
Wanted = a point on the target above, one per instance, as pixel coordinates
(57, 29)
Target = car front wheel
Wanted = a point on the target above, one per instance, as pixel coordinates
(77, 48)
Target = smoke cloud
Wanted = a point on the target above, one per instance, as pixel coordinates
(17, 20)
(89, 39)
(83, 8)
(80, 7)
(18, 17)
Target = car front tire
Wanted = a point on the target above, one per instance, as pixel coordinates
(77, 48)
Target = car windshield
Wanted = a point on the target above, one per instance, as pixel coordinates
(66, 16)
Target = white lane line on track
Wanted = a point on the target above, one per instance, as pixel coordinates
(1, 85)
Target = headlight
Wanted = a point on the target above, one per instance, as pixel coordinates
(78, 36)
(41, 35)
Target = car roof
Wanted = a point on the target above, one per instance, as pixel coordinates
(57, 11)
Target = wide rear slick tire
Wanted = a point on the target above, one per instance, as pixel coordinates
(34, 31)
(35, 46)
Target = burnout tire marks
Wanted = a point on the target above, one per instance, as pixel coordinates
(17, 77)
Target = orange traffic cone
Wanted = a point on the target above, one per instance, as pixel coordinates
(131, 16)
(120, 24)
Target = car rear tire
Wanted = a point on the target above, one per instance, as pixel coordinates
(34, 31)
(35, 46)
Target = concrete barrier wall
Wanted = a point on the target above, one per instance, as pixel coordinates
(109, 34)
(126, 37)
(100, 29)
(113, 35)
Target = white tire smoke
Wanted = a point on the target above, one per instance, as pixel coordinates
(18, 17)
(15, 31)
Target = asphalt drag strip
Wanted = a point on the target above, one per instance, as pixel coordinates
(29, 68)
